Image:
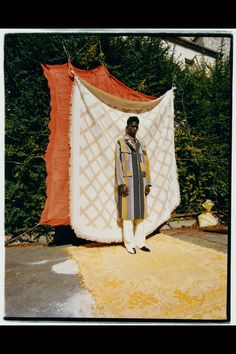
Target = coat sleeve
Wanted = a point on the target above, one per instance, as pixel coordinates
(118, 163)
(148, 174)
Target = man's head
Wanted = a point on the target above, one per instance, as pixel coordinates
(132, 126)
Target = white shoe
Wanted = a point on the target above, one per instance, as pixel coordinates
(131, 250)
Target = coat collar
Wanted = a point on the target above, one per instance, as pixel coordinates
(128, 141)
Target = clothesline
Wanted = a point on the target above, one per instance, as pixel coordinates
(27, 160)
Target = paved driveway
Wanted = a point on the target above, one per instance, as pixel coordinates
(42, 282)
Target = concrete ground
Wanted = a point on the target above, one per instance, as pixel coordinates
(41, 282)
(216, 241)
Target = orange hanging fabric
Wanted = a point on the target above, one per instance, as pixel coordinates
(56, 210)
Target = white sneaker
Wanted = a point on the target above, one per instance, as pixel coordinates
(131, 250)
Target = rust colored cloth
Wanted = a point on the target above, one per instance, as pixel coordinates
(56, 210)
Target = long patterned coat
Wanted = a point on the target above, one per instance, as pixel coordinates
(132, 169)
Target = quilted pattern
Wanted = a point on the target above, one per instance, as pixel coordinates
(95, 128)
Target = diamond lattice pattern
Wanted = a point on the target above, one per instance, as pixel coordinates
(95, 128)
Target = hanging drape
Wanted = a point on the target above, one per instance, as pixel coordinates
(97, 120)
(56, 209)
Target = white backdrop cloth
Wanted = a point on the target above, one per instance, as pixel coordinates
(98, 119)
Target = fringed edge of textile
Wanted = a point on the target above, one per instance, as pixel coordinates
(70, 157)
(45, 219)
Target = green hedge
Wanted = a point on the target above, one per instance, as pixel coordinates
(202, 109)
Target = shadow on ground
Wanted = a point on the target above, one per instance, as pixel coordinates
(64, 235)
(216, 241)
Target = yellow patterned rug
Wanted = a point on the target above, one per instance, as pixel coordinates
(176, 280)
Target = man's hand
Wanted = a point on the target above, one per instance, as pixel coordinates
(124, 190)
(147, 189)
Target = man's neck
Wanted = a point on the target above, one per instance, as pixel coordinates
(133, 139)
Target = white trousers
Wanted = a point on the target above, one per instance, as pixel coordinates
(133, 233)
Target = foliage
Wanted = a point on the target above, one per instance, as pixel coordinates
(203, 139)
(202, 107)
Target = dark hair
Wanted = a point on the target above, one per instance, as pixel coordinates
(132, 119)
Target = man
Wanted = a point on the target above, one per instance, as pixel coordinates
(133, 180)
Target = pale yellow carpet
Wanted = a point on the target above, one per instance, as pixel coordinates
(177, 280)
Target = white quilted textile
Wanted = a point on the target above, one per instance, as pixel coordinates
(97, 121)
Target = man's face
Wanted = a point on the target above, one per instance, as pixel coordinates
(132, 129)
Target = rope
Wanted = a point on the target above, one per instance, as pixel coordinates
(27, 160)
(185, 115)
(71, 57)
(19, 236)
